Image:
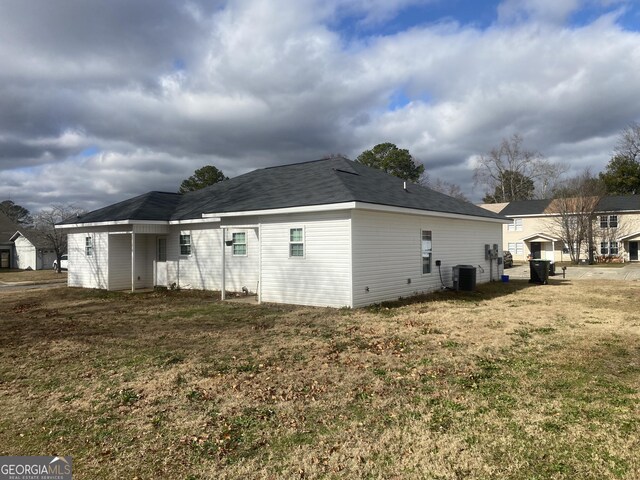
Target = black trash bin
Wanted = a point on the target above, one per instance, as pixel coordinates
(552, 269)
(539, 271)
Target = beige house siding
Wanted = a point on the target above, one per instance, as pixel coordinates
(528, 230)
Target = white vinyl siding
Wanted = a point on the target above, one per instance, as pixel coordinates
(120, 261)
(25, 254)
(387, 253)
(323, 276)
(84, 271)
(203, 268)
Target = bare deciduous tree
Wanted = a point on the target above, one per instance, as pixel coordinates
(573, 212)
(45, 221)
(448, 188)
(628, 144)
(510, 172)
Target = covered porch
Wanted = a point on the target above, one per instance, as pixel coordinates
(630, 245)
(542, 246)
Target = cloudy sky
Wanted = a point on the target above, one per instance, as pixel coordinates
(103, 100)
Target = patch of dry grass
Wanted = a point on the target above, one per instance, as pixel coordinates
(514, 381)
(31, 275)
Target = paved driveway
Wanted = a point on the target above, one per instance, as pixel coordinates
(630, 271)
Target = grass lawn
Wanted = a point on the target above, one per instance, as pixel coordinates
(514, 381)
(15, 275)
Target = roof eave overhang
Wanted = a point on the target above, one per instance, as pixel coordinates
(111, 223)
(544, 236)
(628, 237)
(354, 206)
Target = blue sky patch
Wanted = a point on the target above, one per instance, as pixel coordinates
(89, 151)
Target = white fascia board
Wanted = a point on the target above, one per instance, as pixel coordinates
(426, 213)
(15, 236)
(354, 205)
(112, 223)
(194, 220)
(277, 211)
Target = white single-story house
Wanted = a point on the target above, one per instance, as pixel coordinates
(330, 232)
(31, 250)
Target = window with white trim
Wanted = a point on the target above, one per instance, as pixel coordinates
(427, 251)
(515, 226)
(609, 248)
(609, 221)
(516, 248)
(239, 244)
(185, 244)
(296, 242)
(88, 245)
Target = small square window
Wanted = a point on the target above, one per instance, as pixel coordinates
(239, 244)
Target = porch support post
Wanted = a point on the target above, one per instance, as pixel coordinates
(553, 251)
(133, 260)
(259, 231)
(222, 289)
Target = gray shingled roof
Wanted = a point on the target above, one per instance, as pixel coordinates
(152, 206)
(525, 207)
(320, 182)
(607, 204)
(7, 228)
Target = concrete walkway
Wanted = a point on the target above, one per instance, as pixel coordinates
(630, 271)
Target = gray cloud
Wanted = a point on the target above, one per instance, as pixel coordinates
(104, 100)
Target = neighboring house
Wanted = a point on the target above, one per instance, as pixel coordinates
(330, 232)
(533, 231)
(7, 229)
(32, 250)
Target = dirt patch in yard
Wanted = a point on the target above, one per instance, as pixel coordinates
(13, 276)
(512, 381)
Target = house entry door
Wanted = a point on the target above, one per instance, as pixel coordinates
(633, 251)
(161, 262)
(536, 250)
(4, 259)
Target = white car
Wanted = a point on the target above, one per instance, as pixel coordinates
(64, 263)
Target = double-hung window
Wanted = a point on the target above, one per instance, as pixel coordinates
(516, 248)
(609, 248)
(88, 245)
(427, 251)
(239, 244)
(608, 221)
(515, 226)
(296, 242)
(185, 244)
